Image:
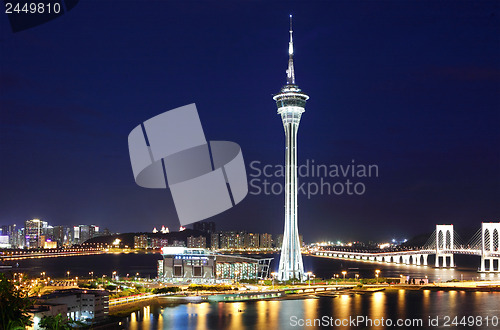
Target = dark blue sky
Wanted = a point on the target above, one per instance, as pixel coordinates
(413, 87)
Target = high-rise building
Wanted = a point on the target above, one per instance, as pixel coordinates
(251, 241)
(240, 240)
(175, 242)
(76, 235)
(197, 242)
(228, 240)
(49, 232)
(5, 230)
(158, 242)
(58, 235)
(266, 241)
(232, 240)
(4, 242)
(84, 233)
(35, 231)
(141, 241)
(94, 231)
(68, 236)
(13, 235)
(206, 226)
(215, 241)
(291, 104)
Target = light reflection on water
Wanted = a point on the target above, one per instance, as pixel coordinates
(277, 314)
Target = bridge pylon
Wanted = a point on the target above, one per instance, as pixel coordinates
(490, 247)
(444, 245)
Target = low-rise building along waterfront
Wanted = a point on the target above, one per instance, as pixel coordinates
(203, 266)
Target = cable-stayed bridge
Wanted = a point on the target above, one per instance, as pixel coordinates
(444, 243)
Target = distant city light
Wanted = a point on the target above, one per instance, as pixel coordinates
(384, 245)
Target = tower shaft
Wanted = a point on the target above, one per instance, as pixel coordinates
(291, 258)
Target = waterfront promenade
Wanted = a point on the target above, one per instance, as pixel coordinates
(291, 292)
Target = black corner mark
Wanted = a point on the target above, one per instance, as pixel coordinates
(26, 14)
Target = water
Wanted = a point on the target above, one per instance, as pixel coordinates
(101, 264)
(409, 306)
(280, 314)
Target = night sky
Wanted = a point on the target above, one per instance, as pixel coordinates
(413, 87)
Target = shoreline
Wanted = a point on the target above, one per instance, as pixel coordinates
(124, 310)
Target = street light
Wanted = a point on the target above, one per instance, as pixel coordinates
(114, 277)
(92, 276)
(344, 273)
(273, 275)
(357, 276)
(377, 271)
(236, 272)
(67, 274)
(309, 277)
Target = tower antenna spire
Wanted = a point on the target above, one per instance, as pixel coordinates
(290, 73)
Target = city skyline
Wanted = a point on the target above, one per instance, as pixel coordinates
(409, 87)
(40, 234)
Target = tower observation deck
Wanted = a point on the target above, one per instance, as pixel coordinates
(291, 104)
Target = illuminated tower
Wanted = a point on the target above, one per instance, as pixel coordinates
(291, 103)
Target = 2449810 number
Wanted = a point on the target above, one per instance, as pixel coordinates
(33, 8)
(470, 321)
